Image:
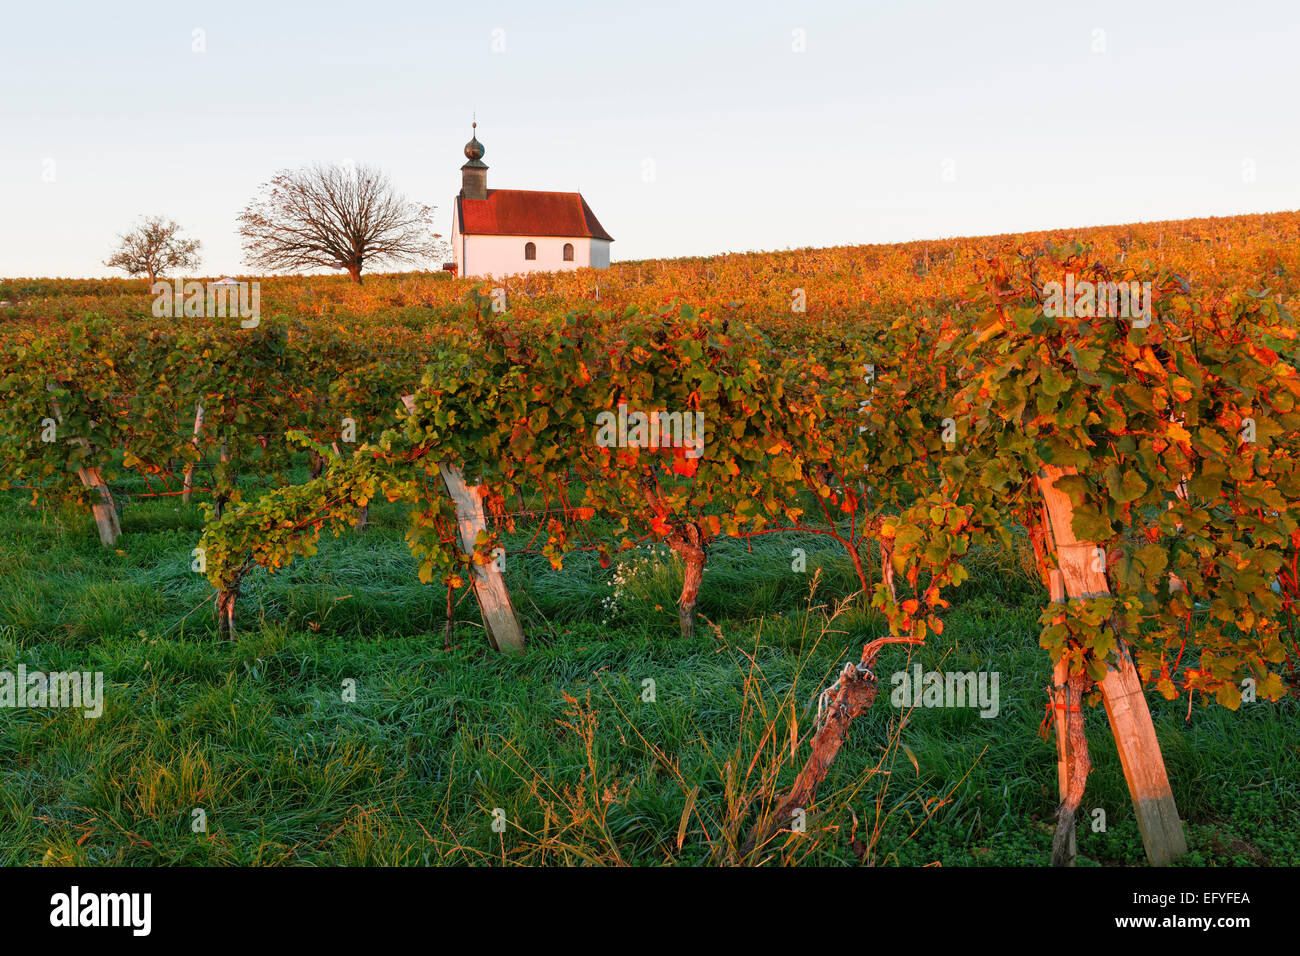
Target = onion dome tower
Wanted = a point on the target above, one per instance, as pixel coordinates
(473, 175)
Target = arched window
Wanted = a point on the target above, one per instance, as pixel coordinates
(568, 252)
(530, 250)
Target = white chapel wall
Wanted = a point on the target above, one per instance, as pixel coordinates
(504, 255)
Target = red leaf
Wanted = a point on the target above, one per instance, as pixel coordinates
(685, 466)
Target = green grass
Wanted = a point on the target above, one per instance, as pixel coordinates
(257, 733)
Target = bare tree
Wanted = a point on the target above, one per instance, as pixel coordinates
(154, 248)
(336, 217)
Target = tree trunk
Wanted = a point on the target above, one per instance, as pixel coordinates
(1072, 762)
(688, 546)
(446, 630)
(864, 579)
(363, 518)
(851, 695)
(887, 566)
(1069, 698)
(355, 272)
(222, 496)
(225, 604)
(856, 693)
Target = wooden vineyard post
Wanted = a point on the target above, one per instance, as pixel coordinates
(1144, 766)
(504, 632)
(1126, 705)
(499, 618)
(187, 488)
(104, 508)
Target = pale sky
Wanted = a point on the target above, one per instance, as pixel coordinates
(691, 128)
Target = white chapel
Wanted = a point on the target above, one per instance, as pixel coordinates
(501, 232)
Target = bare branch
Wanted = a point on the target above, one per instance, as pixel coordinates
(330, 216)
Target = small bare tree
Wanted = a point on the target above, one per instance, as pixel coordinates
(336, 217)
(154, 248)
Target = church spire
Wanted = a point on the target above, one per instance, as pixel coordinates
(473, 175)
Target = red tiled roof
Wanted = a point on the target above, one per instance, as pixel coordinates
(529, 212)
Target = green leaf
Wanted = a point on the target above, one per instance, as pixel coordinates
(1054, 383)
(1090, 526)
(1229, 695)
(1124, 484)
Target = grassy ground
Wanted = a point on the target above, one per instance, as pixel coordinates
(258, 736)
